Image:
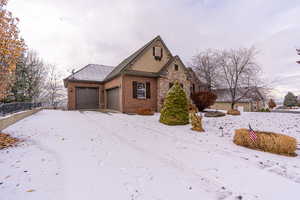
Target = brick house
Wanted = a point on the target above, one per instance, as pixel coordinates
(140, 81)
(253, 101)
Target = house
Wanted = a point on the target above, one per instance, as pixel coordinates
(139, 81)
(251, 101)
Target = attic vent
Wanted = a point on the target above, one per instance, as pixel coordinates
(157, 53)
(176, 67)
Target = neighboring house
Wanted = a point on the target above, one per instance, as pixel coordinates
(254, 100)
(140, 81)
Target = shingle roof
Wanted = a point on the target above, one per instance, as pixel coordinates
(91, 72)
(101, 73)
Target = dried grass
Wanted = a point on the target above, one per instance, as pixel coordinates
(193, 108)
(144, 111)
(7, 141)
(196, 121)
(233, 112)
(267, 141)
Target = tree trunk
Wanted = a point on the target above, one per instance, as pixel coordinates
(232, 105)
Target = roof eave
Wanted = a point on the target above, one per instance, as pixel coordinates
(112, 77)
(83, 81)
(142, 74)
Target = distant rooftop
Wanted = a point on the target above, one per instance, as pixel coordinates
(224, 95)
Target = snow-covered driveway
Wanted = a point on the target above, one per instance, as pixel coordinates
(71, 155)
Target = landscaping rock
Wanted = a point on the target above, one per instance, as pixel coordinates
(214, 114)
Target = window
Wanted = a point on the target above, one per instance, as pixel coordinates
(141, 91)
(176, 67)
(157, 53)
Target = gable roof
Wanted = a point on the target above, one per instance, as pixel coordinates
(91, 72)
(102, 73)
(125, 63)
(189, 71)
(171, 60)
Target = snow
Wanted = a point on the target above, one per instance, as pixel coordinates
(291, 110)
(73, 155)
(92, 72)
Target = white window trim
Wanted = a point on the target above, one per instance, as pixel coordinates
(142, 90)
(157, 51)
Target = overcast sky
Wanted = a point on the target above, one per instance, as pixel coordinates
(74, 33)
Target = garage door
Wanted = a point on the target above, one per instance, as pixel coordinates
(113, 100)
(87, 98)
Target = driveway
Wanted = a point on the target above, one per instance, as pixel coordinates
(72, 155)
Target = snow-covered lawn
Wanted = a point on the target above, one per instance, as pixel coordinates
(71, 155)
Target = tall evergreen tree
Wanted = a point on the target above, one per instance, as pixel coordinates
(19, 86)
(290, 100)
(29, 78)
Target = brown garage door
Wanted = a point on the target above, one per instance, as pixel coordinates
(87, 98)
(113, 100)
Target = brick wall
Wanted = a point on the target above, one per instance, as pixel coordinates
(131, 104)
(72, 93)
(116, 82)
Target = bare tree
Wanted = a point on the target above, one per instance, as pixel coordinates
(240, 73)
(206, 66)
(298, 53)
(54, 91)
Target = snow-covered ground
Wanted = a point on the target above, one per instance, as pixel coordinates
(71, 155)
(290, 110)
(294, 109)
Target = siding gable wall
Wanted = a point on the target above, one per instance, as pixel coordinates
(146, 61)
